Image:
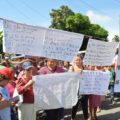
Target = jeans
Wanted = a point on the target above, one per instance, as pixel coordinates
(61, 113)
(13, 114)
(52, 114)
(111, 88)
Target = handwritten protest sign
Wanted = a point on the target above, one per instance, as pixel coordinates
(94, 82)
(60, 44)
(23, 39)
(99, 53)
(117, 87)
(56, 90)
(39, 41)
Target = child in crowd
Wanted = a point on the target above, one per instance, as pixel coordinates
(111, 70)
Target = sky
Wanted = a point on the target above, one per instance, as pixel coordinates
(106, 13)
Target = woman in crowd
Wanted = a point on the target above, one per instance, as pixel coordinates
(94, 100)
(24, 86)
(78, 67)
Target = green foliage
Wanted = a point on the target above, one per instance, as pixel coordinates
(98, 32)
(77, 23)
(64, 18)
(1, 38)
(59, 17)
(116, 38)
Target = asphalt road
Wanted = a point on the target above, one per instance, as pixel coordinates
(108, 111)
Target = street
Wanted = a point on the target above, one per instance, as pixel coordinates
(108, 111)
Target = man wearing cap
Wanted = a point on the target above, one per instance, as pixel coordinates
(24, 86)
(5, 76)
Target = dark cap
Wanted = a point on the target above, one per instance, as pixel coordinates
(26, 65)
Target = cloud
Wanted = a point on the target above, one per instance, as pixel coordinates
(98, 18)
(112, 33)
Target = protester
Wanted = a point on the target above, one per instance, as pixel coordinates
(24, 86)
(34, 68)
(115, 60)
(94, 100)
(11, 87)
(18, 67)
(5, 77)
(111, 83)
(78, 67)
(51, 68)
(7, 63)
(66, 65)
(41, 64)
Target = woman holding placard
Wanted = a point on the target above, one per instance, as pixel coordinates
(78, 67)
(94, 100)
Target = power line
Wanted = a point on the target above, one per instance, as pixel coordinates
(91, 6)
(34, 9)
(13, 6)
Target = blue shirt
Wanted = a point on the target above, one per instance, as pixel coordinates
(5, 113)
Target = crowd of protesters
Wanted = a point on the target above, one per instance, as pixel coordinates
(18, 75)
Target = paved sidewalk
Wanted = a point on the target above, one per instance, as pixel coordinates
(108, 112)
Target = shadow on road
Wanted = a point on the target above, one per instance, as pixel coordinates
(108, 112)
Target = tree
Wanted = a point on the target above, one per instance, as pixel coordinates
(59, 17)
(64, 18)
(98, 32)
(116, 38)
(77, 23)
(1, 38)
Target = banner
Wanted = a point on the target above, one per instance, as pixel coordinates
(56, 90)
(117, 82)
(39, 41)
(99, 53)
(94, 82)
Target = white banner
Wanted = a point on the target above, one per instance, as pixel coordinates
(99, 53)
(56, 90)
(117, 81)
(94, 82)
(39, 41)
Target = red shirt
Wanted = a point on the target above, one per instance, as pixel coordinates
(28, 95)
(46, 70)
(11, 87)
